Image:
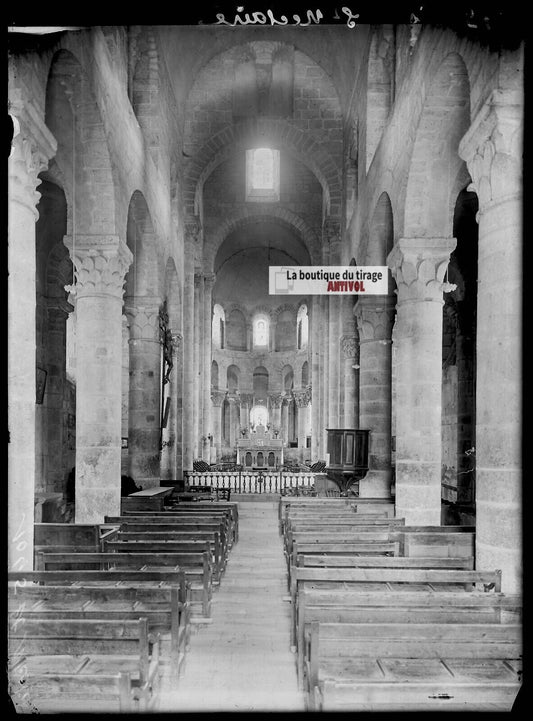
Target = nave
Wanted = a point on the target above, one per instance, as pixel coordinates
(311, 604)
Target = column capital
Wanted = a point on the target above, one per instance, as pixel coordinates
(375, 317)
(142, 313)
(492, 147)
(302, 397)
(209, 280)
(193, 229)
(100, 263)
(419, 266)
(33, 145)
(218, 397)
(198, 277)
(276, 399)
(349, 346)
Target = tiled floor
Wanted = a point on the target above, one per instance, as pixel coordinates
(242, 660)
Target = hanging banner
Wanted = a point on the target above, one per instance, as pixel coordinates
(328, 280)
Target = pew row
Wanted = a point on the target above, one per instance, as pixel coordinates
(39, 648)
(353, 606)
(170, 542)
(411, 666)
(387, 579)
(197, 568)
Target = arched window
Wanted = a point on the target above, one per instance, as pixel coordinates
(219, 320)
(302, 327)
(262, 175)
(258, 416)
(214, 375)
(261, 330)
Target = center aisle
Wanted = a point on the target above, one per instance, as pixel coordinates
(242, 660)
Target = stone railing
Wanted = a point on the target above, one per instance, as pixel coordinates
(282, 482)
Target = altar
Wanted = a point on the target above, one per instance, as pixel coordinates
(260, 450)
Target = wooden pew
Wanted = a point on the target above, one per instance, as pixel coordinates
(391, 579)
(197, 567)
(173, 526)
(224, 517)
(229, 510)
(77, 647)
(352, 606)
(378, 561)
(443, 540)
(411, 666)
(166, 613)
(152, 541)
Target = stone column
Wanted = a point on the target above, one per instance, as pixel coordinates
(101, 263)
(275, 405)
(302, 399)
(198, 362)
(192, 231)
(350, 359)
(247, 400)
(55, 425)
(209, 281)
(172, 433)
(334, 353)
(33, 145)
(324, 406)
(234, 414)
(284, 435)
(375, 316)
(419, 266)
(492, 148)
(316, 428)
(217, 397)
(144, 411)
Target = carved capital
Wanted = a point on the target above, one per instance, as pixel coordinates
(419, 266)
(302, 398)
(100, 263)
(143, 313)
(492, 148)
(276, 399)
(32, 147)
(375, 318)
(209, 281)
(247, 399)
(349, 346)
(218, 397)
(193, 229)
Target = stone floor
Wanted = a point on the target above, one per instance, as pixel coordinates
(241, 661)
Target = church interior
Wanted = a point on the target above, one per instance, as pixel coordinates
(155, 174)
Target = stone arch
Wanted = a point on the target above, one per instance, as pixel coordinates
(233, 376)
(260, 380)
(236, 330)
(282, 216)
(143, 275)
(83, 157)
(287, 378)
(304, 375)
(144, 87)
(379, 87)
(435, 161)
(275, 132)
(214, 375)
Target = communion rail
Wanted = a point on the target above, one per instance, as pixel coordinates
(283, 482)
